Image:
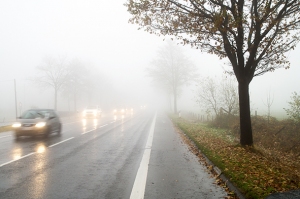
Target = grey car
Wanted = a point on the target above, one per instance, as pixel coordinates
(36, 122)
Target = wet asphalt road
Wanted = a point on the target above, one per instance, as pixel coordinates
(134, 156)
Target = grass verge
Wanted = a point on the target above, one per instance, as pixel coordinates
(5, 128)
(254, 173)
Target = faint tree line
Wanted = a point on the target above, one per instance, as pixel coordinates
(73, 79)
(171, 70)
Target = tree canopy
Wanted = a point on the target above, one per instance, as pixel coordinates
(253, 35)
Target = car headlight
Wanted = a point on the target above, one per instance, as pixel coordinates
(40, 124)
(16, 125)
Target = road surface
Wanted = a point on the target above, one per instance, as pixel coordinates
(135, 156)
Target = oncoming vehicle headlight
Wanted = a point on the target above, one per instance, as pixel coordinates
(40, 124)
(16, 125)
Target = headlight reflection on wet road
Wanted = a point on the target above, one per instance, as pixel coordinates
(39, 182)
(83, 125)
(41, 148)
(95, 123)
(17, 153)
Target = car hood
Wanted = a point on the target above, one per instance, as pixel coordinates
(31, 120)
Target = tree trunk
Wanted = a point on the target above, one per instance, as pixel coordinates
(75, 102)
(175, 101)
(245, 117)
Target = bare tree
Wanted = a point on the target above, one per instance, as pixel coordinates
(76, 81)
(207, 95)
(52, 73)
(172, 70)
(253, 35)
(214, 95)
(229, 96)
(269, 103)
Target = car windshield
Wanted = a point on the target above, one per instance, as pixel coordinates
(35, 114)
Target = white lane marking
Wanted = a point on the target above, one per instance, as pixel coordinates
(61, 142)
(88, 131)
(5, 136)
(32, 153)
(103, 125)
(17, 159)
(138, 189)
(94, 129)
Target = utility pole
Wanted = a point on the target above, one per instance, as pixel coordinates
(16, 99)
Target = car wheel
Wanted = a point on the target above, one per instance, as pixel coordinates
(47, 132)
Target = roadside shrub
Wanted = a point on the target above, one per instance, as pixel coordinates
(270, 134)
(294, 111)
(225, 121)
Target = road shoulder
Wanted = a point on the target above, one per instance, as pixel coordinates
(174, 171)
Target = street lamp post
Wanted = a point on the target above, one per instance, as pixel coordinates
(16, 99)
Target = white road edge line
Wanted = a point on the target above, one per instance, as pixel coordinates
(61, 142)
(138, 189)
(17, 159)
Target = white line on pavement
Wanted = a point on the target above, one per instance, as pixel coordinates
(138, 189)
(88, 131)
(17, 159)
(61, 142)
(103, 125)
(94, 129)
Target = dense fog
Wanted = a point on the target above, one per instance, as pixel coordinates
(97, 33)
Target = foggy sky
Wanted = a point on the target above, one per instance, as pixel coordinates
(98, 33)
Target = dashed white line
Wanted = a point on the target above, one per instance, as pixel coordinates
(48, 146)
(88, 131)
(103, 125)
(138, 189)
(61, 142)
(17, 159)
